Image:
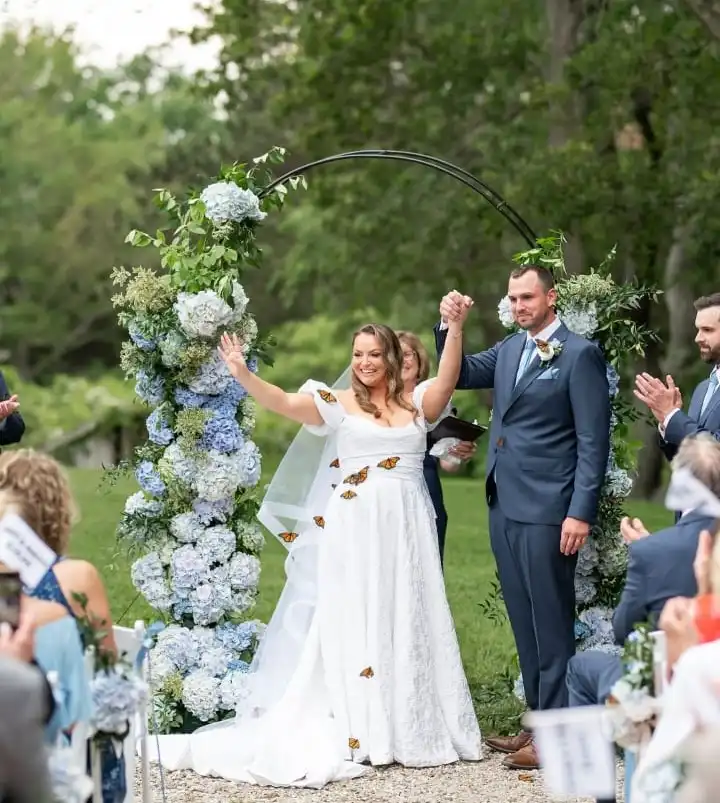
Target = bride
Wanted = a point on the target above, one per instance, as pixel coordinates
(360, 663)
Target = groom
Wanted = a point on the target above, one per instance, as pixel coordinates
(547, 455)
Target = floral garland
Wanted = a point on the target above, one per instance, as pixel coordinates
(192, 526)
(592, 306)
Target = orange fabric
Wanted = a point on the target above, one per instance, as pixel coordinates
(707, 617)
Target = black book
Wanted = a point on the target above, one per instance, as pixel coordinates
(452, 427)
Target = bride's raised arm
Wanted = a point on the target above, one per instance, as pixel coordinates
(439, 393)
(298, 407)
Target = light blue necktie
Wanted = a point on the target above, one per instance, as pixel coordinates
(711, 388)
(525, 359)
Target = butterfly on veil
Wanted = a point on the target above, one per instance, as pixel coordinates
(288, 537)
(358, 477)
(327, 397)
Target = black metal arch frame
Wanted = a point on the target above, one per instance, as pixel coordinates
(496, 201)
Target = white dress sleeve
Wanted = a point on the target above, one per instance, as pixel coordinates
(417, 399)
(328, 406)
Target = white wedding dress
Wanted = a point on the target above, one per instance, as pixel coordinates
(378, 677)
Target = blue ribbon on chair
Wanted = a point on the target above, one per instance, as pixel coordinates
(150, 635)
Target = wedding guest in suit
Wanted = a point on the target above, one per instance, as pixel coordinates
(664, 399)
(12, 425)
(547, 455)
(660, 568)
(416, 369)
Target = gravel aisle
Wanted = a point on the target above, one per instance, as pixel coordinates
(484, 782)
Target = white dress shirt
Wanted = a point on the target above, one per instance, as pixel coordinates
(662, 426)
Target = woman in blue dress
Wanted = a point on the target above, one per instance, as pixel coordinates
(416, 369)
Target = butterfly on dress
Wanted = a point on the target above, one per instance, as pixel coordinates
(353, 744)
(357, 478)
(335, 463)
(288, 538)
(327, 397)
(388, 463)
(319, 520)
(348, 495)
(367, 673)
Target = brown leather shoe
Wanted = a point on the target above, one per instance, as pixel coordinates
(524, 759)
(509, 744)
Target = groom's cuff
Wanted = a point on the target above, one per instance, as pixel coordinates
(443, 326)
(662, 426)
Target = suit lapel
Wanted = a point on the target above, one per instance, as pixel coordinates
(714, 401)
(515, 349)
(697, 400)
(535, 368)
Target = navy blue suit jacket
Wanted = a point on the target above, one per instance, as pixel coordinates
(11, 431)
(659, 567)
(683, 424)
(550, 435)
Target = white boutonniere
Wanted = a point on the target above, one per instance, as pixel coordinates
(547, 351)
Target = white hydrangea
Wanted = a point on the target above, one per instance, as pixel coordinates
(139, 504)
(244, 571)
(202, 314)
(201, 695)
(220, 476)
(212, 378)
(251, 536)
(178, 463)
(234, 689)
(581, 320)
(244, 601)
(215, 661)
(225, 201)
(216, 544)
(505, 313)
(240, 301)
(186, 528)
(248, 331)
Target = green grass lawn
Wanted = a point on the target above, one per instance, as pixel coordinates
(469, 569)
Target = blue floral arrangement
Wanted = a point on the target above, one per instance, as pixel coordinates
(593, 306)
(192, 526)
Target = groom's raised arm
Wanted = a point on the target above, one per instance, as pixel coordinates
(590, 402)
(477, 371)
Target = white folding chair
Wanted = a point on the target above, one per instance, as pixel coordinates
(129, 641)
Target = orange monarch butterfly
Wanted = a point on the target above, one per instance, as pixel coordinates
(335, 463)
(327, 397)
(288, 538)
(348, 495)
(367, 673)
(388, 463)
(319, 520)
(356, 479)
(353, 744)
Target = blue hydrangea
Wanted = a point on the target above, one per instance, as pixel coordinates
(236, 665)
(582, 631)
(177, 644)
(171, 349)
(237, 638)
(252, 365)
(210, 602)
(139, 338)
(116, 699)
(222, 434)
(150, 387)
(158, 430)
(251, 465)
(181, 608)
(187, 398)
(216, 544)
(188, 570)
(613, 379)
(149, 480)
(244, 571)
(225, 201)
(207, 512)
(215, 661)
(213, 377)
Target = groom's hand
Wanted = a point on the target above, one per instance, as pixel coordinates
(573, 535)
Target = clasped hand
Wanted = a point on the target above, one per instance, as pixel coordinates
(454, 308)
(8, 407)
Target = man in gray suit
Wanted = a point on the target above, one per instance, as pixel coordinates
(547, 456)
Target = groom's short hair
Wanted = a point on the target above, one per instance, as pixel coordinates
(547, 280)
(701, 455)
(706, 302)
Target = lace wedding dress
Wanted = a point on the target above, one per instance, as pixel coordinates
(378, 677)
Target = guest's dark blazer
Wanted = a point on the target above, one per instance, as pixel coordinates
(660, 567)
(13, 427)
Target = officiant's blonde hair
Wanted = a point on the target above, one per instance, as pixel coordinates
(45, 501)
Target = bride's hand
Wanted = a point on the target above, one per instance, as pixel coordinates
(231, 351)
(457, 323)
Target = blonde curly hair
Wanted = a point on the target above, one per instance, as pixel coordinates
(41, 494)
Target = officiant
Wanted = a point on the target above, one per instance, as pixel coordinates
(416, 369)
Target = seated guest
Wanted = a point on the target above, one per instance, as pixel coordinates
(660, 567)
(416, 369)
(12, 425)
(44, 501)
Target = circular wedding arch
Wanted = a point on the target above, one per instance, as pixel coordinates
(433, 162)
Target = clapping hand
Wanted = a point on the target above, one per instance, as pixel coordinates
(660, 398)
(232, 352)
(8, 407)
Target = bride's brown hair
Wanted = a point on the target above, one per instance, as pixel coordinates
(393, 359)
